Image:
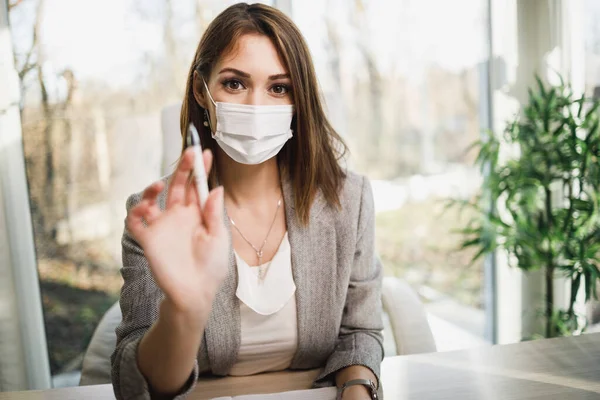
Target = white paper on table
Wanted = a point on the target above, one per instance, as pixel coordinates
(328, 393)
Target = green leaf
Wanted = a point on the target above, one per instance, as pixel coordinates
(580, 102)
(470, 243)
(540, 85)
(559, 128)
(591, 111)
(477, 256)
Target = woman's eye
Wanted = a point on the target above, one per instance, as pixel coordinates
(233, 84)
(280, 89)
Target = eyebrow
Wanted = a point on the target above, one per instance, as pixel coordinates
(247, 75)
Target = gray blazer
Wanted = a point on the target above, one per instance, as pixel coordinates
(338, 296)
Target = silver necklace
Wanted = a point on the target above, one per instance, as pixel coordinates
(259, 251)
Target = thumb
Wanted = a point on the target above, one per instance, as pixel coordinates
(213, 212)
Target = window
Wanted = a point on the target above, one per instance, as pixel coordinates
(94, 86)
(592, 48)
(401, 81)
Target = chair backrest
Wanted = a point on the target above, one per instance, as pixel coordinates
(408, 318)
(171, 137)
(96, 369)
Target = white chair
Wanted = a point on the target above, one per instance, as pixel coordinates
(406, 323)
(95, 369)
(171, 137)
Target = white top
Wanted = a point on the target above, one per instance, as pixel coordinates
(269, 325)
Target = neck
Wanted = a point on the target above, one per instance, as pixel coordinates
(248, 184)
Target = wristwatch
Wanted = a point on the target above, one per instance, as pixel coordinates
(369, 384)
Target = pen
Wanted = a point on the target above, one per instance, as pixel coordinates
(199, 171)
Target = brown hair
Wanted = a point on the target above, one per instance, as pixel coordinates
(310, 158)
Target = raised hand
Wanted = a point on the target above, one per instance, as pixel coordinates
(187, 248)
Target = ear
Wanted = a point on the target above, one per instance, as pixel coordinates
(198, 87)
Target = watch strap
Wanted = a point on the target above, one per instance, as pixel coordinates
(370, 385)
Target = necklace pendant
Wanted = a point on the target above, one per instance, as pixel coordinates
(259, 254)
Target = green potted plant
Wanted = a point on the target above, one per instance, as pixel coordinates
(541, 204)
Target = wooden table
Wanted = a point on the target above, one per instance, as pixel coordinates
(562, 369)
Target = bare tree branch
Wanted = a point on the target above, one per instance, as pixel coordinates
(25, 70)
(12, 4)
(27, 65)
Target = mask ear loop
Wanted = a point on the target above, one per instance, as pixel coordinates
(206, 114)
(208, 91)
(207, 118)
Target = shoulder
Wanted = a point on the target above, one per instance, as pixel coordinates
(356, 203)
(135, 198)
(354, 183)
(355, 192)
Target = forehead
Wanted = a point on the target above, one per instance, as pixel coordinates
(255, 54)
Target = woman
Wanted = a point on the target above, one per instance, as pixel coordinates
(277, 271)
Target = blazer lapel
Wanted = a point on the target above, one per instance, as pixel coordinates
(223, 332)
(312, 282)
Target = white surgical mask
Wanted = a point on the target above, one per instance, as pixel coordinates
(252, 134)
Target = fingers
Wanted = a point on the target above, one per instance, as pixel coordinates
(152, 211)
(213, 212)
(191, 196)
(151, 192)
(208, 161)
(134, 221)
(146, 210)
(177, 186)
